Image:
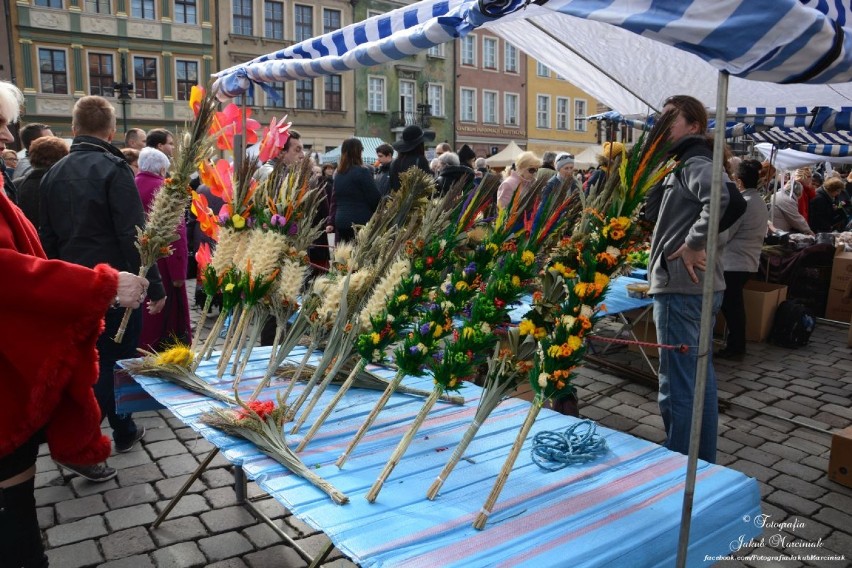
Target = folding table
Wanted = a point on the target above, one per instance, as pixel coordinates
(620, 510)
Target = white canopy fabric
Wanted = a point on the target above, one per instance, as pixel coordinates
(505, 157)
(588, 158)
(629, 54)
(635, 74)
(791, 159)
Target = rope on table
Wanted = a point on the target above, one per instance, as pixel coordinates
(577, 444)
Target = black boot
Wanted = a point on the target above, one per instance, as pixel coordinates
(20, 535)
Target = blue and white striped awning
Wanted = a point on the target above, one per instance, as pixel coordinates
(804, 140)
(630, 54)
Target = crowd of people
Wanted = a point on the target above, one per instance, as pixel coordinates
(68, 231)
(810, 203)
(58, 287)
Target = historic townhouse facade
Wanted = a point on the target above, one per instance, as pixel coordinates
(491, 109)
(144, 55)
(322, 109)
(557, 112)
(415, 90)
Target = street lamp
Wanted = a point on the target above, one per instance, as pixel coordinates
(124, 89)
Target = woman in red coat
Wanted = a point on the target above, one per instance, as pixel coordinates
(173, 321)
(52, 313)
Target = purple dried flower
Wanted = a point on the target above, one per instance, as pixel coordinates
(470, 269)
(294, 228)
(424, 329)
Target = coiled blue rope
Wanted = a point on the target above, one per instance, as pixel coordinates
(577, 444)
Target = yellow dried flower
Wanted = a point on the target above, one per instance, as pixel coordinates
(179, 355)
(526, 327)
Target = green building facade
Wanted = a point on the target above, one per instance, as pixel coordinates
(67, 49)
(416, 90)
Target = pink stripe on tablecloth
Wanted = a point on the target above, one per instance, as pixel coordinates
(546, 516)
(455, 523)
(616, 515)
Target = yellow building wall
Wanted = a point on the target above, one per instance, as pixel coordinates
(557, 133)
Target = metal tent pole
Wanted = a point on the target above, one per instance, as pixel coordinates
(705, 340)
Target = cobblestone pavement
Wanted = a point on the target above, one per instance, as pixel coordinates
(780, 406)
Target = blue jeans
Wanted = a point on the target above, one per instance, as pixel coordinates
(678, 321)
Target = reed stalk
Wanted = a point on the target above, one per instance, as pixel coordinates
(250, 319)
(302, 365)
(208, 303)
(233, 330)
(380, 404)
(342, 357)
(252, 341)
(125, 319)
(207, 348)
(402, 447)
(482, 517)
(330, 407)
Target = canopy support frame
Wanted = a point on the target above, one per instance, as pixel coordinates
(705, 340)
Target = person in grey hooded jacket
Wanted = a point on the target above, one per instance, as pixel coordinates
(743, 243)
(676, 270)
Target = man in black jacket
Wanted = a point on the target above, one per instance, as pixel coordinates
(384, 157)
(90, 209)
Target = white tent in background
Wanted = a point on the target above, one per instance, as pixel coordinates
(588, 158)
(505, 157)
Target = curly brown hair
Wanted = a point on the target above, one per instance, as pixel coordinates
(46, 151)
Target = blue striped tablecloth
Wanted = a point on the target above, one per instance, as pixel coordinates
(621, 510)
(615, 302)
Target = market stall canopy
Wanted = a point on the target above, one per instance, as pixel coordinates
(790, 132)
(828, 145)
(368, 155)
(505, 157)
(789, 159)
(588, 158)
(628, 54)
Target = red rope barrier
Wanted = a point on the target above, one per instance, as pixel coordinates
(682, 348)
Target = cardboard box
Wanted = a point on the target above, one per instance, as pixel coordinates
(841, 271)
(838, 307)
(840, 461)
(849, 340)
(761, 299)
